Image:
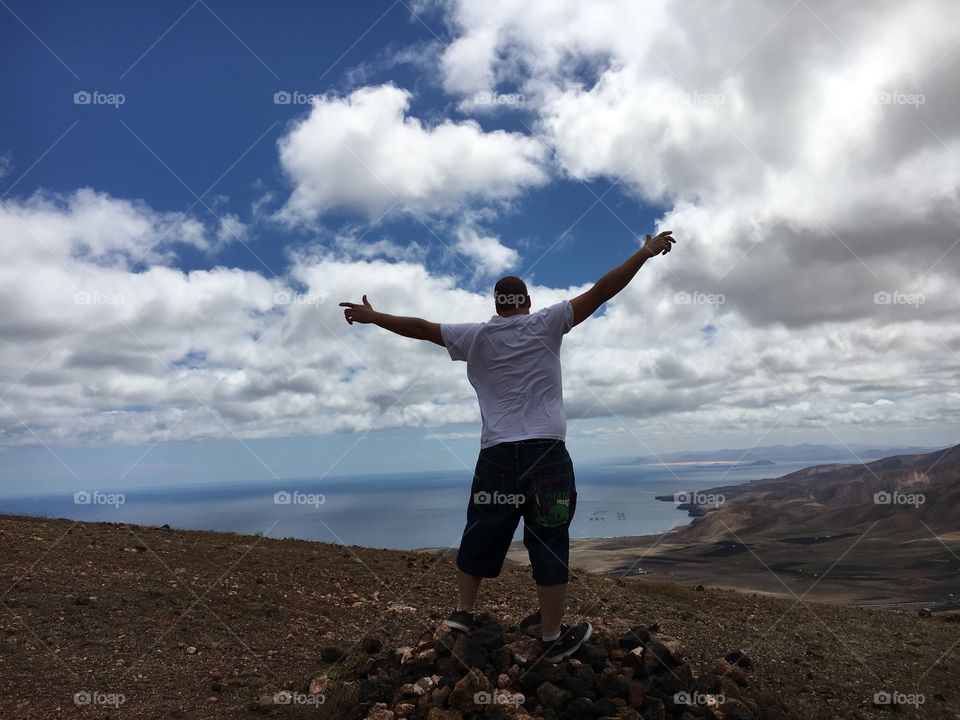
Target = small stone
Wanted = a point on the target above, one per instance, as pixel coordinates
(191, 650)
(614, 682)
(501, 659)
(552, 696)
(448, 666)
(508, 699)
(593, 654)
(423, 685)
(724, 669)
(655, 709)
(332, 653)
(470, 652)
(634, 658)
(371, 645)
(380, 712)
(728, 688)
(638, 635)
(526, 650)
(739, 658)
(441, 714)
(605, 707)
(463, 693)
(636, 694)
(671, 643)
(318, 686)
(374, 690)
(676, 679)
(732, 708)
(580, 708)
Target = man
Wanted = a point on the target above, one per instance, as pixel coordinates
(523, 470)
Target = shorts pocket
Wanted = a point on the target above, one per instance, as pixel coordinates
(551, 504)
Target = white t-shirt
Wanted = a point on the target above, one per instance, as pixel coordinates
(514, 365)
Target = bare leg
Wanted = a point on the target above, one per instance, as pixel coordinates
(468, 585)
(551, 607)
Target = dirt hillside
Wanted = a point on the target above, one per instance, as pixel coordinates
(121, 621)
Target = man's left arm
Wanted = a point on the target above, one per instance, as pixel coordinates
(411, 327)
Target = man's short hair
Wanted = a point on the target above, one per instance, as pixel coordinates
(510, 293)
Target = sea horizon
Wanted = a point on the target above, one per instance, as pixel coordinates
(400, 511)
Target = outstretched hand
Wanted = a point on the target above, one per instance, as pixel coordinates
(661, 244)
(358, 313)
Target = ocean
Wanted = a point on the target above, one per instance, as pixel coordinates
(402, 511)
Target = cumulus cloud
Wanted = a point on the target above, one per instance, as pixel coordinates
(231, 229)
(98, 350)
(364, 153)
(95, 353)
(486, 252)
(805, 152)
(96, 227)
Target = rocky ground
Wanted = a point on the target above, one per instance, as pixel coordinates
(498, 672)
(115, 621)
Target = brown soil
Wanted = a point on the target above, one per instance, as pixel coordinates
(189, 624)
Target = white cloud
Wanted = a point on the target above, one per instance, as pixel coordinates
(488, 254)
(807, 153)
(95, 353)
(94, 226)
(231, 229)
(365, 153)
(796, 196)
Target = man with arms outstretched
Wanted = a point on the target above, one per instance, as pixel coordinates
(523, 470)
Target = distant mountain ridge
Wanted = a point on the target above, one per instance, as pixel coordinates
(805, 452)
(884, 533)
(902, 493)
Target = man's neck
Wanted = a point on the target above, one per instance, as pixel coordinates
(513, 313)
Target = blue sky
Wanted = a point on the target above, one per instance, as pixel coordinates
(199, 79)
(776, 151)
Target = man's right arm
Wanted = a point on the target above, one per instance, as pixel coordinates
(617, 279)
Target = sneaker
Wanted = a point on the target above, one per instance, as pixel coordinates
(570, 640)
(531, 620)
(460, 620)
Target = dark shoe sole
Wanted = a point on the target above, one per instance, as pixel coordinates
(570, 651)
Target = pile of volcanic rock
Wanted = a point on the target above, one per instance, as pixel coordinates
(492, 673)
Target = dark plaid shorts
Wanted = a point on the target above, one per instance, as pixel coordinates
(532, 479)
